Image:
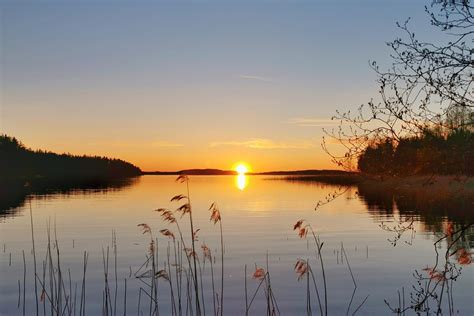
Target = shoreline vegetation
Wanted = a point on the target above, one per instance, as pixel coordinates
(452, 184)
(25, 172)
(20, 163)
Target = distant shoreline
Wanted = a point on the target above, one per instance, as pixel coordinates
(219, 172)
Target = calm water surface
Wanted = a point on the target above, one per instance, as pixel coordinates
(258, 215)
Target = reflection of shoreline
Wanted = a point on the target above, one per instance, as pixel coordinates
(430, 210)
(430, 199)
(14, 193)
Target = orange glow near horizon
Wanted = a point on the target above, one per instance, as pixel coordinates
(149, 157)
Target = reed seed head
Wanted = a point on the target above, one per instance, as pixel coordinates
(215, 213)
(167, 233)
(182, 178)
(195, 236)
(162, 274)
(464, 257)
(259, 274)
(178, 197)
(184, 209)
(145, 228)
(301, 268)
(206, 251)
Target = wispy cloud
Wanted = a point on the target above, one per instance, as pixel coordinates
(262, 143)
(302, 121)
(257, 78)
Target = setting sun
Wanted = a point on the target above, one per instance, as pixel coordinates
(241, 168)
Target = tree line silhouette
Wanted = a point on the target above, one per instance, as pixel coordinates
(19, 162)
(432, 152)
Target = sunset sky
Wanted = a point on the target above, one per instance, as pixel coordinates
(174, 85)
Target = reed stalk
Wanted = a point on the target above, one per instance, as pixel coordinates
(34, 257)
(196, 287)
(222, 268)
(24, 283)
(246, 296)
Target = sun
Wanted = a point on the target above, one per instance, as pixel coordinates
(241, 168)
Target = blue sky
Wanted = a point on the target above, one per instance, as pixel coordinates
(178, 84)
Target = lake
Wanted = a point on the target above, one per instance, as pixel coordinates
(384, 245)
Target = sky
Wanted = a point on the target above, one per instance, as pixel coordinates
(173, 85)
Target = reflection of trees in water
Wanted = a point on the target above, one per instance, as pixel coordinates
(14, 194)
(433, 291)
(452, 225)
(465, 240)
(386, 201)
(379, 203)
(431, 210)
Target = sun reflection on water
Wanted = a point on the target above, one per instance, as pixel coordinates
(241, 181)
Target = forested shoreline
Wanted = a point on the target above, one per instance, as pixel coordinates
(17, 162)
(431, 153)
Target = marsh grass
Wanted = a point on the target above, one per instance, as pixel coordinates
(194, 269)
(57, 293)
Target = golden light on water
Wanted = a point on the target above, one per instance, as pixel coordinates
(241, 181)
